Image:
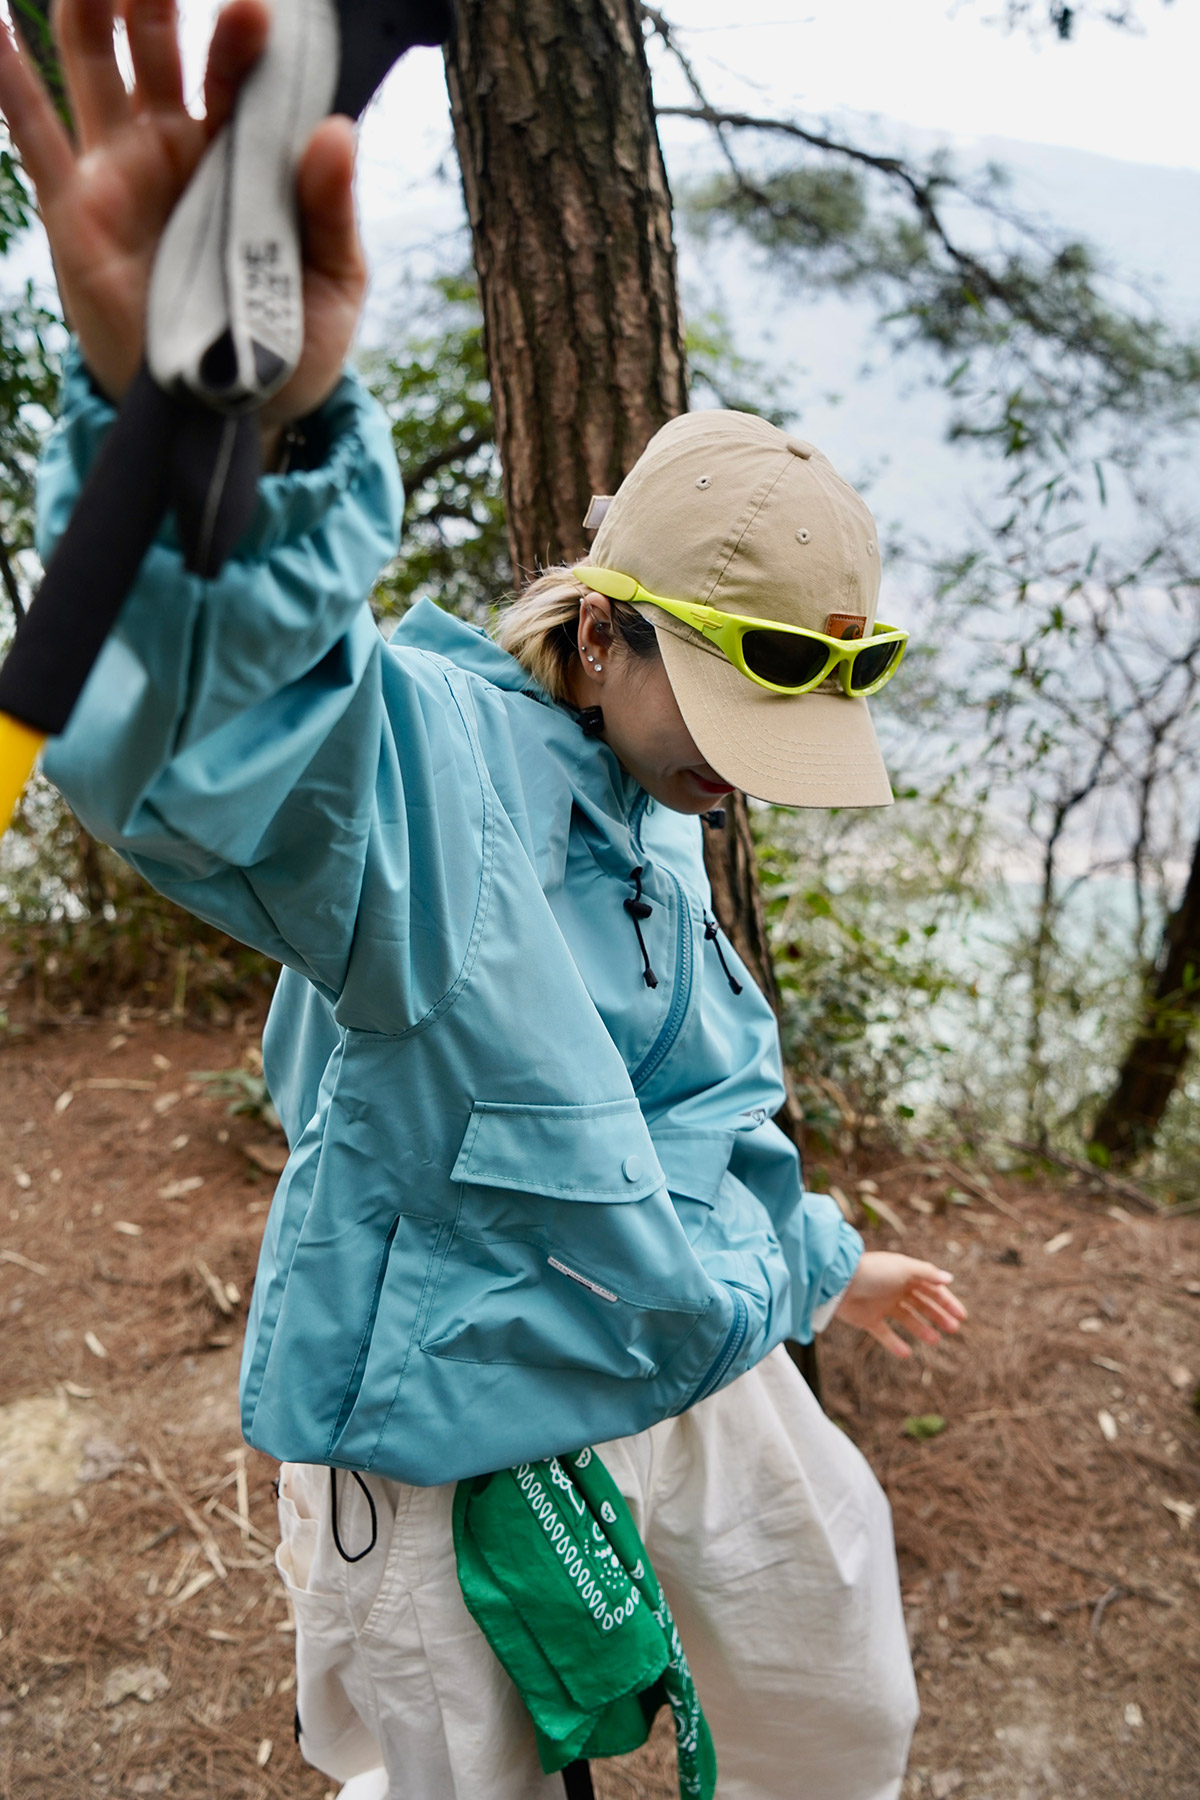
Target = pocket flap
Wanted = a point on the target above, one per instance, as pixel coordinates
(694, 1162)
(602, 1152)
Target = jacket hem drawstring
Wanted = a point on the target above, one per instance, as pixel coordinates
(333, 1506)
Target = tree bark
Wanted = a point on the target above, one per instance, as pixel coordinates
(570, 218)
(570, 214)
(1128, 1122)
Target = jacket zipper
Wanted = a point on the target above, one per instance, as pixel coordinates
(672, 1024)
(734, 1339)
(682, 987)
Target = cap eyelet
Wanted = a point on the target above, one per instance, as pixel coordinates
(803, 535)
(703, 481)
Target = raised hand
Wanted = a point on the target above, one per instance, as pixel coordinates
(105, 200)
(889, 1290)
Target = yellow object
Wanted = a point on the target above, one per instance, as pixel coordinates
(19, 747)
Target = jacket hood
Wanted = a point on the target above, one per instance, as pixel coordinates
(601, 786)
(427, 627)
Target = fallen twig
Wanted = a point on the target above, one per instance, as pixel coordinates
(23, 1262)
(1102, 1605)
(1006, 1412)
(247, 1529)
(1141, 1589)
(981, 1190)
(1111, 1183)
(203, 1535)
(215, 1287)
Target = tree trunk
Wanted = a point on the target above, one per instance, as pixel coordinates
(1128, 1121)
(571, 222)
(570, 215)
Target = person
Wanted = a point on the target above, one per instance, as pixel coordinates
(535, 1198)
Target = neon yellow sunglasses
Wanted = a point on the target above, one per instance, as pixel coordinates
(787, 659)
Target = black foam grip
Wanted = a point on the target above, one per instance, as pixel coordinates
(375, 34)
(163, 453)
(215, 466)
(95, 565)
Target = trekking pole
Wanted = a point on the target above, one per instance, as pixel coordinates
(224, 332)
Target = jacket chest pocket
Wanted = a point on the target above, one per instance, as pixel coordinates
(567, 1252)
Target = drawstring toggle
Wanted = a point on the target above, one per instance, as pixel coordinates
(639, 909)
(712, 937)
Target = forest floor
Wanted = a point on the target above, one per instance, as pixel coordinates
(1048, 1537)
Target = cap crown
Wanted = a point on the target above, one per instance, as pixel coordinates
(726, 509)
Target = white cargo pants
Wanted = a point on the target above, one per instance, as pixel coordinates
(773, 1543)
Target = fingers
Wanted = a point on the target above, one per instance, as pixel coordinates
(238, 41)
(326, 189)
(153, 32)
(34, 124)
(889, 1339)
(95, 86)
(915, 1321)
(943, 1309)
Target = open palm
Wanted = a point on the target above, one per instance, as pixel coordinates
(889, 1290)
(105, 200)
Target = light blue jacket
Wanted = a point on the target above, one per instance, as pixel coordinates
(532, 1201)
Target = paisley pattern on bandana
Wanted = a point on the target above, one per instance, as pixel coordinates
(554, 1572)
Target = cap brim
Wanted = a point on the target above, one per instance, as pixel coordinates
(816, 749)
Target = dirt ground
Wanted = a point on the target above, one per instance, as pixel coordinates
(1047, 1534)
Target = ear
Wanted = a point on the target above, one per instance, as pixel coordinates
(595, 638)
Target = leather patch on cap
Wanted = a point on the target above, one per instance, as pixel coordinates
(845, 625)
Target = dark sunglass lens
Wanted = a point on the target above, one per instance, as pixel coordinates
(870, 664)
(784, 658)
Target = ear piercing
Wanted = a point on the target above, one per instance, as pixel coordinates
(599, 667)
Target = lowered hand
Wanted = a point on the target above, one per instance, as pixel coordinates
(888, 1290)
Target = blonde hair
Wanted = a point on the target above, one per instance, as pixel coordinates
(540, 628)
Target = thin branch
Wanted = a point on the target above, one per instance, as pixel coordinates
(8, 576)
(457, 451)
(898, 172)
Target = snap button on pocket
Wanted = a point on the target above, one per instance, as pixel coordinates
(631, 1168)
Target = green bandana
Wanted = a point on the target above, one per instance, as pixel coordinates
(555, 1575)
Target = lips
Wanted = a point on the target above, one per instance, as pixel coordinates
(709, 787)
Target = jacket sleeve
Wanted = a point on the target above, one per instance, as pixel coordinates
(820, 1249)
(236, 739)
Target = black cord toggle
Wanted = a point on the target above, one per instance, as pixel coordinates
(639, 909)
(715, 818)
(711, 930)
(591, 722)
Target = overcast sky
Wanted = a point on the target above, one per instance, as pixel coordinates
(934, 64)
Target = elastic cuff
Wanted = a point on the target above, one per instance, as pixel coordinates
(822, 1314)
(347, 433)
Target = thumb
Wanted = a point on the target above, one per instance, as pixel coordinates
(329, 220)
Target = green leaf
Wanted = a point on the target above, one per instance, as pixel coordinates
(924, 1425)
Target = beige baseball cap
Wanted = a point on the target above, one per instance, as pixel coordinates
(726, 509)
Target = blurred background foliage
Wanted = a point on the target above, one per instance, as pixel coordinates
(976, 963)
